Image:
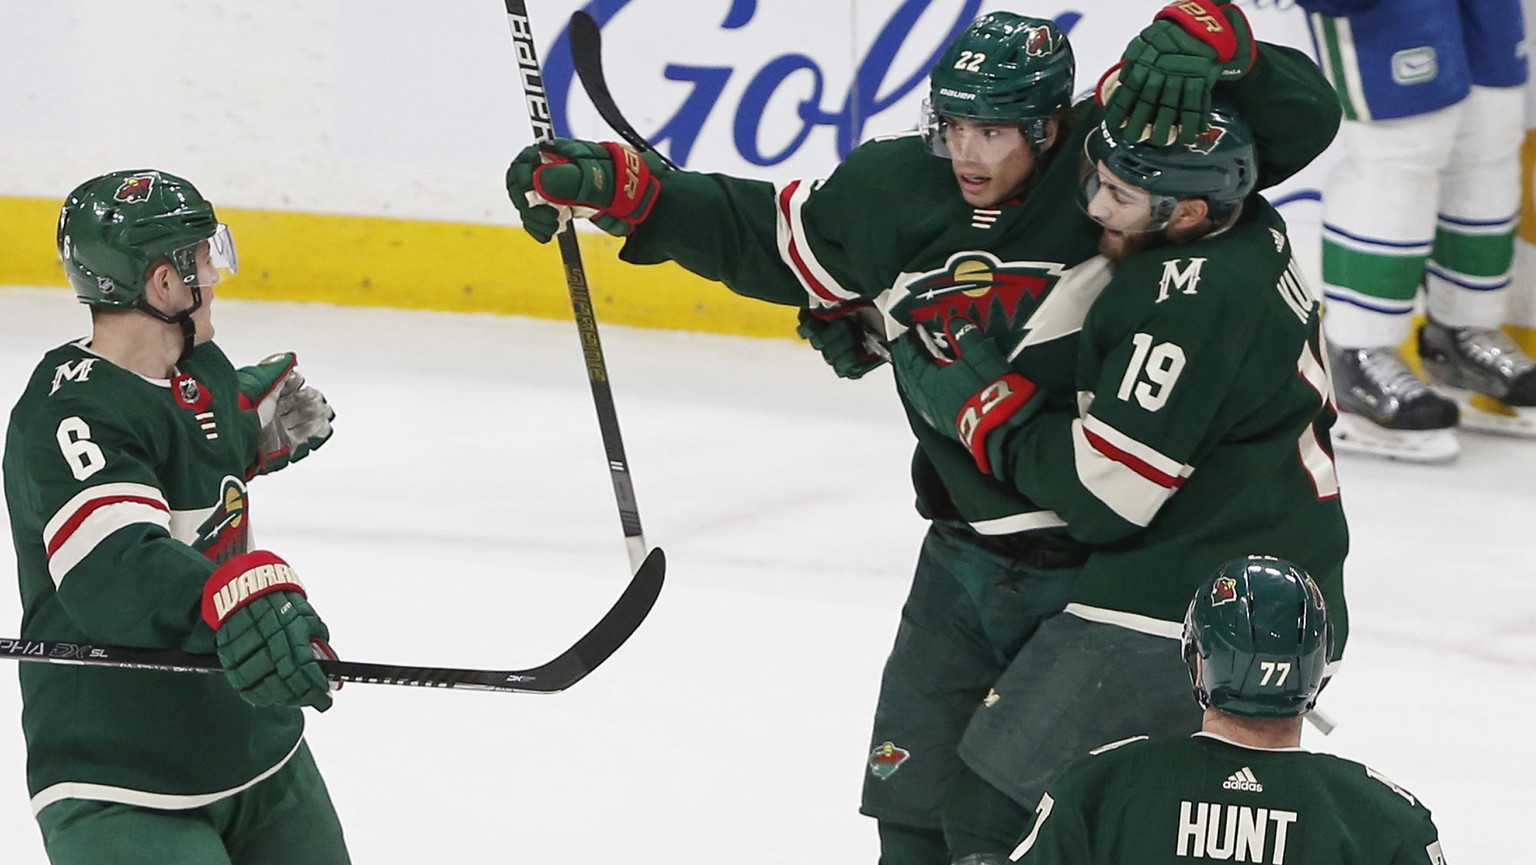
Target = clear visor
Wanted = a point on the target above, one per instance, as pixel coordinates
(1119, 206)
(209, 261)
(965, 140)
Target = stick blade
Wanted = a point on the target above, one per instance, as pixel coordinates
(587, 57)
(611, 632)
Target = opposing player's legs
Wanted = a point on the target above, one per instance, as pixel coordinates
(1469, 274)
(969, 610)
(1379, 224)
(1074, 686)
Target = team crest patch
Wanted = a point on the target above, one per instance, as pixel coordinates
(978, 287)
(224, 533)
(886, 759)
(1206, 141)
(135, 190)
(1224, 591)
(1039, 41)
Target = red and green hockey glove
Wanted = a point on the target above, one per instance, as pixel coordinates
(1161, 89)
(843, 338)
(963, 386)
(293, 417)
(268, 636)
(613, 185)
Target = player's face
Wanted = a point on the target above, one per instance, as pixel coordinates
(992, 162)
(207, 277)
(1124, 211)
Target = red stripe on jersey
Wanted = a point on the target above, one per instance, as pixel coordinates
(794, 248)
(1139, 466)
(90, 507)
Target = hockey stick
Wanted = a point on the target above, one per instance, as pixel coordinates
(581, 298)
(587, 53)
(564, 671)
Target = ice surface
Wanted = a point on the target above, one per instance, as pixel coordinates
(463, 516)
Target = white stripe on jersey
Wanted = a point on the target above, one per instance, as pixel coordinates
(1317, 462)
(93, 515)
(1132, 479)
(796, 252)
(1019, 523)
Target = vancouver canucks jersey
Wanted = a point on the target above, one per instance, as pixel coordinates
(1207, 798)
(890, 227)
(123, 494)
(1203, 434)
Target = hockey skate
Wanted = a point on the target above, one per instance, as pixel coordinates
(1491, 379)
(1387, 411)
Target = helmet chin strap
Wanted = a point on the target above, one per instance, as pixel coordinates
(182, 320)
(188, 333)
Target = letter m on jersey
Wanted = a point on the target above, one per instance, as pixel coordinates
(77, 371)
(1179, 276)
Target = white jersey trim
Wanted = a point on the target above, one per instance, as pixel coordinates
(1203, 734)
(1019, 523)
(144, 799)
(1132, 479)
(1129, 621)
(95, 514)
(822, 289)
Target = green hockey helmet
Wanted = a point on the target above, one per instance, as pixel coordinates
(1004, 68)
(113, 228)
(1257, 639)
(1221, 166)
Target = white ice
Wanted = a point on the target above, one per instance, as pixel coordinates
(462, 516)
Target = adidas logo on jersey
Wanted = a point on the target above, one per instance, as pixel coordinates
(1243, 779)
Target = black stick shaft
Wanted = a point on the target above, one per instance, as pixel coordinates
(581, 298)
(567, 669)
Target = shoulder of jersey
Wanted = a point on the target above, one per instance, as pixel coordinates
(1256, 251)
(900, 162)
(1375, 786)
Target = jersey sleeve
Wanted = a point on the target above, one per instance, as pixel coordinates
(1155, 409)
(781, 244)
(115, 569)
(1289, 105)
(1058, 835)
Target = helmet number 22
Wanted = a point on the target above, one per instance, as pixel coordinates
(970, 61)
(83, 455)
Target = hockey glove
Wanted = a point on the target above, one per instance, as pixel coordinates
(267, 635)
(963, 386)
(1161, 89)
(613, 185)
(839, 333)
(293, 417)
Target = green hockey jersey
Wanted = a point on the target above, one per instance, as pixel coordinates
(123, 494)
(1178, 802)
(1201, 433)
(890, 226)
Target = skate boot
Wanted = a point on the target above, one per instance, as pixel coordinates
(1492, 380)
(1385, 410)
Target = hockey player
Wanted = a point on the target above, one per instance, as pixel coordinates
(900, 237)
(1256, 639)
(126, 463)
(1426, 192)
(1199, 429)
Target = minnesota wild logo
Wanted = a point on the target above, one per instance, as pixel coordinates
(977, 286)
(135, 189)
(886, 759)
(226, 531)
